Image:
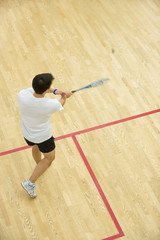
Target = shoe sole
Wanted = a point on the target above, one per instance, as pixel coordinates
(27, 191)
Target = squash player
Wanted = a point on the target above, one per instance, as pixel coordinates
(36, 111)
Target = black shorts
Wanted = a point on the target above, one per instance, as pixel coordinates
(44, 147)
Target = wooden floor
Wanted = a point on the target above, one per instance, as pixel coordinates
(105, 181)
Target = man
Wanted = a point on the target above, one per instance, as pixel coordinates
(36, 111)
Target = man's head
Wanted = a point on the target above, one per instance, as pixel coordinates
(42, 82)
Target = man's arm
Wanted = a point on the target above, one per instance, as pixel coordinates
(59, 92)
(63, 99)
(64, 95)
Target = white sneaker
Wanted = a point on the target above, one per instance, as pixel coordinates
(29, 187)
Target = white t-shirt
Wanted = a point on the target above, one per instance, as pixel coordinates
(36, 115)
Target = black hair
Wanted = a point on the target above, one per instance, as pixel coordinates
(42, 82)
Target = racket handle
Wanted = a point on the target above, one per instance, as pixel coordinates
(73, 91)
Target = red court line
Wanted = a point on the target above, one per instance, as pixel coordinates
(120, 234)
(89, 129)
(73, 135)
(108, 124)
(114, 237)
(14, 150)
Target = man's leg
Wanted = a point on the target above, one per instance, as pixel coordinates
(36, 154)
(42, 166)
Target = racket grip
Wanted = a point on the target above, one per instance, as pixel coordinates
(73, 91)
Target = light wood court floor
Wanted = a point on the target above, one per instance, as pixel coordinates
(81, 41)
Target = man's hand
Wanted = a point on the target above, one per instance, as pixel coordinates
(67, 93)
(64, 96)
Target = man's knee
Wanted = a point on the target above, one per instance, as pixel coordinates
(50, 157)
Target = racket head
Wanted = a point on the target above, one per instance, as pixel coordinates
(99, 82)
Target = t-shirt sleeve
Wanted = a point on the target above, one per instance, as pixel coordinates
(55, 106)
(30, 90)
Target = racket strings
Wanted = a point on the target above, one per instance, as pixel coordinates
(99, 82)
